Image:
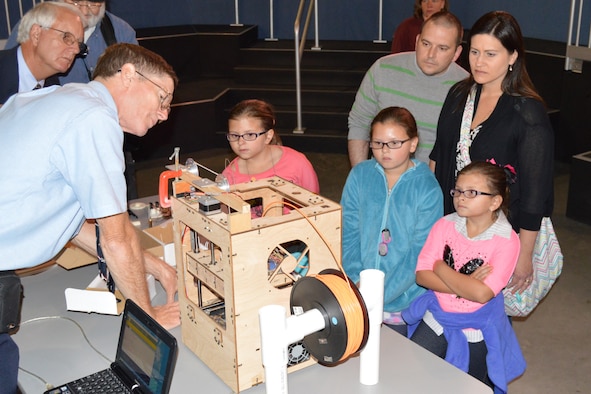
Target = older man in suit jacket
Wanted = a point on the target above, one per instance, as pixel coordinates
(50, 37)
(102, 29)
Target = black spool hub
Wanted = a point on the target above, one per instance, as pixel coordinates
(328, 345)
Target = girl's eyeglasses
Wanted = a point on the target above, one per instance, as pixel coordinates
(396, 144)
(246, 136)
(470, 193)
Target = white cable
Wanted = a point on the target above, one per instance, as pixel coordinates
(36, 319)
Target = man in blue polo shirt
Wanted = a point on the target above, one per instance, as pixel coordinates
(61, 165)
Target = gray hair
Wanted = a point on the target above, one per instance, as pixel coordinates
(43, 14)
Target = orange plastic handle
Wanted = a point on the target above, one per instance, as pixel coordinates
(163, 186)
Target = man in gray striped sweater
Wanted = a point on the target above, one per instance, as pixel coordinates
(418, 81)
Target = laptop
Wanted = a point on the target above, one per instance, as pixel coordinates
(144, 363)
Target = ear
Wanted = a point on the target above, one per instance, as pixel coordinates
(458, 52)
(34, 34)
(414, 144)
(417, 41)
(513, 58)
(496, 202)
(127, 74)
(269, 136)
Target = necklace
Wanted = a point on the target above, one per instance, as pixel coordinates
(253, 176)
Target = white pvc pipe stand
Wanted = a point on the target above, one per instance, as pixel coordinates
(277, 332)
(371, 287)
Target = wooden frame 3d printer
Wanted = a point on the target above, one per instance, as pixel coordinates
(239, 250)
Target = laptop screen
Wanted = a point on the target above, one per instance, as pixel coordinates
(146, 351)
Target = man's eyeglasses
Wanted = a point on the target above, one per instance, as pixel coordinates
(246, 136)
(396, 144)
(70, 39)
(164, 101)
(470, 193)
(383, 246)
(94, 7)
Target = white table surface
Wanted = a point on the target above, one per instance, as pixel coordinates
(55, 350)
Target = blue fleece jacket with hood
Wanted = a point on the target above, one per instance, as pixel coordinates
(408, 211)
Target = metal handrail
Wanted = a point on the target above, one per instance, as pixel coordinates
(299, 51)
(576, 53)
(380, 40)
(236, 15)
(272, 34)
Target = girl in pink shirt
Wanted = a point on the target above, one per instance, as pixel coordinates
(467, 260)
(252, 138)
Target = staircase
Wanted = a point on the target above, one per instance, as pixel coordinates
(330, 78)
(220, 65)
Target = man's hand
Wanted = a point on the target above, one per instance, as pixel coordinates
(127, 264)
(168, 315)
(358, 151)
(164, 273)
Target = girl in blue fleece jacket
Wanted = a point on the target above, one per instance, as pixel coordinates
(389, 204)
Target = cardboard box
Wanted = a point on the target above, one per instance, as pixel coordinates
(96, 298)
(160, 241)
(73, 257)
(156, 240)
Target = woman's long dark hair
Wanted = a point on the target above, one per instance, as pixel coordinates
(505, 28)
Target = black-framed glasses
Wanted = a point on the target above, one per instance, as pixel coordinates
(94, 7)
(69, 39)
(246, 136)
(396, 144)
(164, 101)
(470, 193)
(383, 246)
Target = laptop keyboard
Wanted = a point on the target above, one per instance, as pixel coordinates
(101, 382)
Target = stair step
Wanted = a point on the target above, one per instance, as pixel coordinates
(310, 58)
(308, 77)
(318, 97)
(320, 109)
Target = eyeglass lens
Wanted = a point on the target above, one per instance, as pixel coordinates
(164, 101)
(86, 4)
(470, 193)
(246, 136)
(390, 144)
(69, 39)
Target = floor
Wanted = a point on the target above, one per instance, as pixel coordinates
(552, 337)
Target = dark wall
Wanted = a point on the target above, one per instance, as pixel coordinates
(345, 19)
(575, 128)
(339, 19)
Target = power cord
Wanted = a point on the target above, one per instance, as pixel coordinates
(48, 385)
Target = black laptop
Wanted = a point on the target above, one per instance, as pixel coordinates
(144, 363)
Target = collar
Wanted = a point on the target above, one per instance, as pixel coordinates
(501, 227)
(26, 80)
